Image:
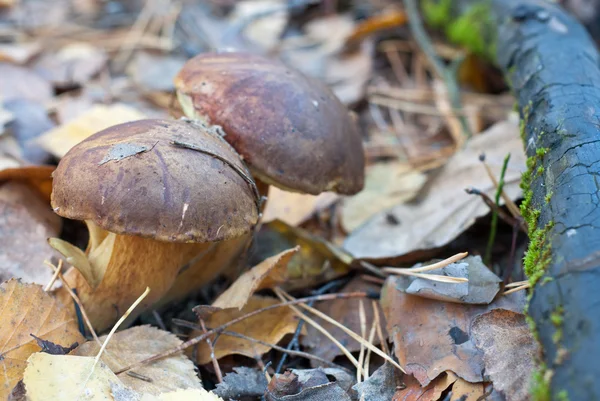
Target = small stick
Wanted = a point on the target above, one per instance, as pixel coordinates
(363, 333)
(119, 322)
(196, 340)
(432, 277)
(54, 276)
(440, 264)
(487, 259)
(86, 319)
(501, 213)
(212, 353)
(346, 330)
(517, 284)
(382, 339)
(523, 287)
(368, 358)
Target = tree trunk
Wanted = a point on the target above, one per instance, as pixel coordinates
(552, 66)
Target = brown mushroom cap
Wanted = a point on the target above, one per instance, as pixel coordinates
(290, 129)
(132, 179)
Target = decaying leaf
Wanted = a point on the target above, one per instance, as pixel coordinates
(482, 287)
(54, 349)
(381, 385)
(430, 224)
(30, 120)
(76, 257)
(346, 312)
(25, 223)
(411, 390)
(294, 208)
(137, 343)
(386, 185)
(27, 309)
(59, 140)
(462, 390)
(509, 351)
(308, 385)
(154, 72)
(269, 326)
(183, 395)
(21, 83)
(75, 63)
(432, 337)
(270, 272)
(38, 177)
(317, 261)
(243, 382)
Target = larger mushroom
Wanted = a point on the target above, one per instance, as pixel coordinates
(155, 194)
(290, 129)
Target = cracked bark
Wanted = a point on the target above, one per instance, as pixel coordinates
(552, 66)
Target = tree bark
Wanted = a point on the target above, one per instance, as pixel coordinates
(552, 66)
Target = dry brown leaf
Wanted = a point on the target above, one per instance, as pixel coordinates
(267, 274)
(308, 385)
(38, 177)
(60, 140)
(183, 395)
(26, 309)
(137, 343)
(509, 351)
(344, 311)
(432, 337)
(464, 391)
(317, 261)
(431, 224)
(295, 208)
(25, 223)
(269, 326)
(21, 83)
(413, 391)
(386, 185)
(73, 63)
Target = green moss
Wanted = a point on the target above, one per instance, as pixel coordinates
(557, 318)
(541, 152)
(469, 29)
(437, 13)
(562, 395)
(540, 170)
(548, 197)
(540, 385)
(538, 254)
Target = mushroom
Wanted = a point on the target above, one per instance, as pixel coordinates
(155, 195)
(290, 129)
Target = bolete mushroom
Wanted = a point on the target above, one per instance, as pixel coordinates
(155, 194)
(290, 129)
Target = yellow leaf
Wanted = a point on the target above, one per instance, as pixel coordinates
(268, 273)
(26, 309)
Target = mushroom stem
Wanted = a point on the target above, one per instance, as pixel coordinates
(127, 265)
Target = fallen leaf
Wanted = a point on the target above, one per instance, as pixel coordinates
(67, 377)
(61, 139)
(308, 385)
(25, 223)
(243, 382)
(37, 177)
(464, 391)
(429, 224)
(140, 342)
(432, 337)
(509, 351)
(30, 120)
(27, 309)
(482, 287)
(270, 326)
(381, 385)
(183, 395)
(386, 184)
(316, 262)
(267, 274)
(264, 21)
(154, 72)
(19, 53)
(344, 311)
(413, 391)
(21, 83)
(294, 208)
(74, 63)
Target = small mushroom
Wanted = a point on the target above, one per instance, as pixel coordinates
(290, 129)
(155, 194)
